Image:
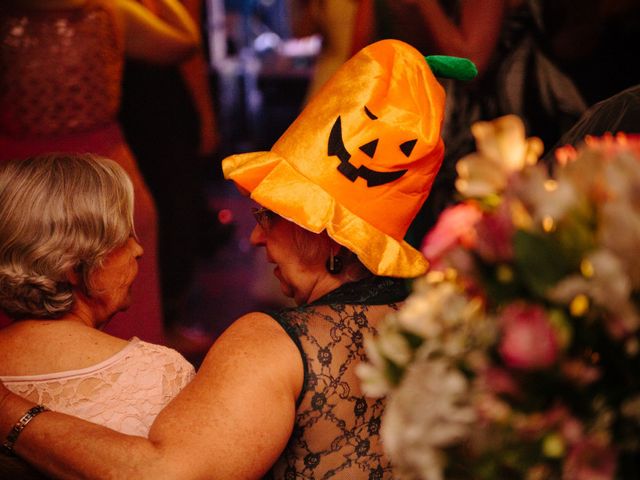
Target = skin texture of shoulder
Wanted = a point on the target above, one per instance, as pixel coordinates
(42, 347)
(231, 422)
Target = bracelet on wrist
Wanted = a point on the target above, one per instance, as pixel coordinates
(13, 435)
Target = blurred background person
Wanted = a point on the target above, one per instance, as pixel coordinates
(334, 21)
(60, 82)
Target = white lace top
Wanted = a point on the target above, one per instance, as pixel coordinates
(125, 392)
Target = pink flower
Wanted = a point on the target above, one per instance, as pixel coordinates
(455, 225)
(493, 235)
(500, 381)
(613, 145)
(528, 340)
(571, 430)
(608, 144)
(565, 154)
(590, 459)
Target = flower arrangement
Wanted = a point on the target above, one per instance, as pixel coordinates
(517, 355)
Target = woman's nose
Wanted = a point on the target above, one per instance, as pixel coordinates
(257, 237)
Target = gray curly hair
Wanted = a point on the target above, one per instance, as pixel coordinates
(58, 213)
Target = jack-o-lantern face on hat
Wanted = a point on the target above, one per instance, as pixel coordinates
(380, 146)
(348, 169)
(361, 158)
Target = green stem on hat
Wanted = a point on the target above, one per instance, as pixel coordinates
(452, 67)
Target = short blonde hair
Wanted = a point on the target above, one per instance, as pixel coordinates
(58, 213)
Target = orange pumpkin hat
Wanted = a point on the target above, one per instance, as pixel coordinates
(361, 158)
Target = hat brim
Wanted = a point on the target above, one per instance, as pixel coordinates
(273, 183)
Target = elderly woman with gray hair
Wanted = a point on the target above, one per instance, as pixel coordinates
(68, 257)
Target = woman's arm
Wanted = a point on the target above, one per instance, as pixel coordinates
(232, 421)
(195, 73)
(166, 38)
(476, 35)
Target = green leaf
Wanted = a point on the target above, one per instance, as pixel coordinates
(539, 261)
(498, 292)
(575, 236)
(452, 67)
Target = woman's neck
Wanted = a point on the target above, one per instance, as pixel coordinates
(328, 283)
(78, 315)
(82, 313)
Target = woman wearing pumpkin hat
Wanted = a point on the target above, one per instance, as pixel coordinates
(278, 393)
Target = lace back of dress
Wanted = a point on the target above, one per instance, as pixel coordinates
(337, 427)
(125, 395)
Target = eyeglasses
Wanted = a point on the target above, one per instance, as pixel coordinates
(264, 217)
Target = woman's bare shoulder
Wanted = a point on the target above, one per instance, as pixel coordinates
(41, 347)
(255, 341)
(256, 330)
(260, 330)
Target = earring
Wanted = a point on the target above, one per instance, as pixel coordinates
(334, 264)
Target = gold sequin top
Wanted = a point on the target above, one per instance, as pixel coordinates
(60, 70)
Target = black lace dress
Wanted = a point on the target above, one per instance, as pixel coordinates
(336, 431)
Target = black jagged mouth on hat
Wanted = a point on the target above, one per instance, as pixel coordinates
(373, 178)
